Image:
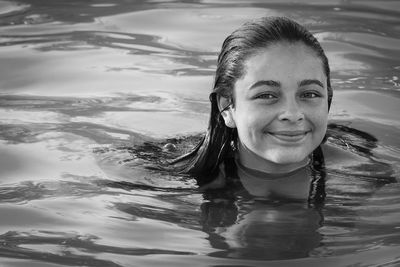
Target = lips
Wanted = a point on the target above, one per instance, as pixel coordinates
(289, 136)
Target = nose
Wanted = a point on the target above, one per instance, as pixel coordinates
(291, 112)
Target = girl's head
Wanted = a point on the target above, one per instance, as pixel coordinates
(270, 98)
(256, 36)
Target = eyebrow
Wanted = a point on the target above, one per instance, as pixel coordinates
(311, 81)
(267, 83)
(272, 83)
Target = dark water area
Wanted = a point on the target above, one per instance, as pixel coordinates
(91, 91)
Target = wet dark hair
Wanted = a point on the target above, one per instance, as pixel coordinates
(219, 141)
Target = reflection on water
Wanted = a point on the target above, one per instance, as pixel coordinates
(90, 93)
(263, 231)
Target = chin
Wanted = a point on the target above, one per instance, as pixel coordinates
(288, 158)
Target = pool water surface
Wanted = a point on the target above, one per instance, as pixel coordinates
(91, 91)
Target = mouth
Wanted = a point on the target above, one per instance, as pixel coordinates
(289, 136)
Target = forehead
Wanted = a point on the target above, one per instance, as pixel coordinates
(282, 59)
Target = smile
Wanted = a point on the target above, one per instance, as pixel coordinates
(289, 136)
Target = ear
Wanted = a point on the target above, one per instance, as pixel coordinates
(225, 107)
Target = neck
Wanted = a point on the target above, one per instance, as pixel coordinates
(253, 161)
(263, 178)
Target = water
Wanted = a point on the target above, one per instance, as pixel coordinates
(84, 85)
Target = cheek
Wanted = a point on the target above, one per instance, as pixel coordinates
(252, 121)
(320, 121)
(317, 112)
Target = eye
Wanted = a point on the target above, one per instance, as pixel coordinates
(267, 96)
(310, 94)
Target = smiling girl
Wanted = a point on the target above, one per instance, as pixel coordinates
(269, 113)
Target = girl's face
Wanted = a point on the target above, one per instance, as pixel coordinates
(280, 107)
